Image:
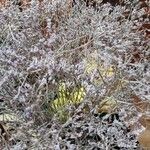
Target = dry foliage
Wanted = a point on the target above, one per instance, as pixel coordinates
(47, 42)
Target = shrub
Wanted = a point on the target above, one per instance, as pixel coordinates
(51, 42)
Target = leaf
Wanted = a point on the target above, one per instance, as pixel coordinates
(5, 117)
(140, 105)
(3, 132)
(103, 72)
(107, 105)
(65, 98)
